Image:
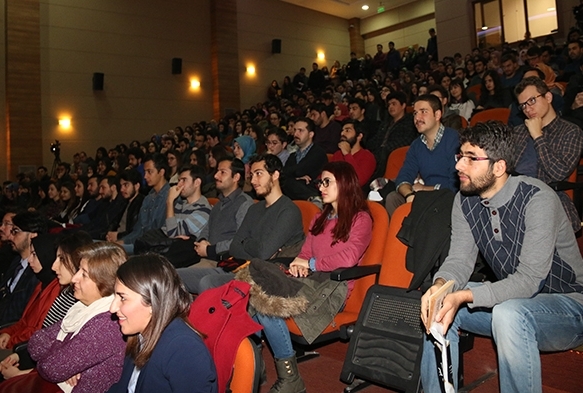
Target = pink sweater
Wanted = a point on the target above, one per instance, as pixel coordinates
(342, 254)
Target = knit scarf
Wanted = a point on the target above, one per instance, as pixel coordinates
(79, 314)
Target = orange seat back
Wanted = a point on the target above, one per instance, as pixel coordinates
(244, 369)
(501, 114)
(329, 156)
(308, 210)
(213, 201)
(464, 122)
(572, 179)
(476, 91)
(393, 271)
(395, 162)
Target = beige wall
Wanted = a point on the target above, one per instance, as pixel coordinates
(454, 27)
(408, 26)
(132, 43)
(302, 32)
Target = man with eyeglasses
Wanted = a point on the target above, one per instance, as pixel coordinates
(19, 280)
(519, 227)
(548, 147)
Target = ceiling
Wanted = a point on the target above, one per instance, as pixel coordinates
(348, 9)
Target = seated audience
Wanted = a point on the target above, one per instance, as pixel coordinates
(276, 142)
(261, 234)
(493, 94)
(327, 132)
(35, 317)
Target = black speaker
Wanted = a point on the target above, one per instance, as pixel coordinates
(176, 66)
(98, 80)
(276, 45)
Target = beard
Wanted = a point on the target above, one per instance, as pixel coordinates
(266, 190)
(351, 141)
(478, 185)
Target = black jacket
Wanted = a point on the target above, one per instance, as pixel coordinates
(133, 211)
(427, 232)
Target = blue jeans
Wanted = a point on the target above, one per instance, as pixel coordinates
(277, 335)
(520, 328)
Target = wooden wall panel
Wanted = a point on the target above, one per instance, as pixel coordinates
(224, 57)
(23, 85)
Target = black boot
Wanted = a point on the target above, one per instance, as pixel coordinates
(288, 377)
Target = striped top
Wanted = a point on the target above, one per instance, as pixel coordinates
(60, 306)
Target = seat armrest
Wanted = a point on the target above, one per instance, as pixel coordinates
(565, 185)
(355, 272)
(18, 348)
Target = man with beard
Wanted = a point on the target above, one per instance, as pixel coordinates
(327, 134)
(270, 226)
(303, 166)
(518, 225)
(129, 183)
(352, 152)
(429, 164)
(224, 221)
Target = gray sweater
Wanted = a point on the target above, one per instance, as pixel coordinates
(266, 229)
(526, 238)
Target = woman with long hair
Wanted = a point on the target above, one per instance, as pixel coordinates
(459, 100)
(44, 310)
(53, 206)
(374, 103)
(164, 353)
(86, 203)
(493, 95)
(338, 238)
(174, 163)
(84, 352)
(69, 200)
(287, 89)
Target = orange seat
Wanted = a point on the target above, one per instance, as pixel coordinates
(246, 373)
(501, 114)
(464, 122)
(213, 201)
(308, 210)
(409, 109)
(393, 270)
(329, 156)
(475, 92)
(395, 162)
(372, 256)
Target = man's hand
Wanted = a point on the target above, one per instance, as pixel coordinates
(578, 103)
(425, 301)
(344, 147)
(174, 193)
(4, 338)
(307, 179)
(534, 126)
(299, 267)
(111, 236)
(200, 247)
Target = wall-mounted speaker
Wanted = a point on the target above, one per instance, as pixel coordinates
(98, 80)
(276, 45)
(176, 66)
